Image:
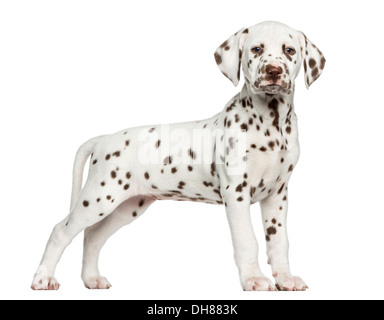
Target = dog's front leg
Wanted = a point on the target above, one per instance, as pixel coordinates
(274, 213)
(245, 245)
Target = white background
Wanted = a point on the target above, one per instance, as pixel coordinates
(71, 70)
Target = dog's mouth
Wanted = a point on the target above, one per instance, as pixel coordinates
(272, 85)
(271, 88)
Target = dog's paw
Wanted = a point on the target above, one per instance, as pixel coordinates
(49, 283)
(44, 281)
(290, 283)
(259, 284)
(97, 282)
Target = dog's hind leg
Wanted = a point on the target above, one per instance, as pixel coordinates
(96, 236)
(85, 213)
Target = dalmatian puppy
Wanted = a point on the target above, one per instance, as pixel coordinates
(243, 155)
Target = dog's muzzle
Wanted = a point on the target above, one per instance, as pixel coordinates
(270, 80)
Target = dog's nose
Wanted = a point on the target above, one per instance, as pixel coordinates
(274, 72)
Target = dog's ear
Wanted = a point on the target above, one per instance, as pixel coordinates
(228, 56)
(313, 60)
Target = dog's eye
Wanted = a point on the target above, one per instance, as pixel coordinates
(257, 50)
(290, 51)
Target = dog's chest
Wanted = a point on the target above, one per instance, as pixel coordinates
(269, 172)
(272, 154)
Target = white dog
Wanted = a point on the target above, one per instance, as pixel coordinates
(243, 155)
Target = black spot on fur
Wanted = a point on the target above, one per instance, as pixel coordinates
(192, 154)
(167, 160)
(274, 106)
(271, 230)
(244, 126)
(213, 169)
(239, 188)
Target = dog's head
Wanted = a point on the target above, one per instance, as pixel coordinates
(270, 54)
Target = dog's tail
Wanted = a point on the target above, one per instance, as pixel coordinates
(81, 158)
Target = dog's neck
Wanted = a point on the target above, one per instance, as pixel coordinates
(274, 108)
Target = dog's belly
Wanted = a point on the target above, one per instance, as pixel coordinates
(192, 183)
